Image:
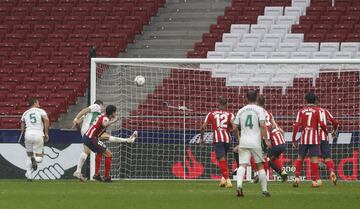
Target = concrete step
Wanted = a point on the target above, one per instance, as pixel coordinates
(163, 44)
(155, 53)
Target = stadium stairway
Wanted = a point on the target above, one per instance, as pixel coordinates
(176, 27)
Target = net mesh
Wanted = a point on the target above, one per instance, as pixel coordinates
(170, 108)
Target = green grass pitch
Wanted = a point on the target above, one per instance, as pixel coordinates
(71, 194)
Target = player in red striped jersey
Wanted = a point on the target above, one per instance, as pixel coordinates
(276, 135)
(309, 120)
(222, 123)
(324, 145)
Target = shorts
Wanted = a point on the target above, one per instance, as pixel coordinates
(94, 144)
(221, 149)
(314, 150)
(246, 153)
(325, 149)
(276, 151)
(34, 142)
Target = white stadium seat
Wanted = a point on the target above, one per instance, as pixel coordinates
(259, 81)
(221, 72)
(279, 29)
(309, 47)
(238, 55)
(266, 47)
(247, 68)
(357, 55)
(273, 38)
(287, 47)
(329, 46)
(231, 37)
(300, 3)
(274, 11)
(252, 38)
(240, 28)
(216, 55)
(301, 55)
(237, 79)
(350, 46)
(258, 55)
(343, 55)
(294, 38)
(257, 28)
(286, 20)
(245, 47)
(279, 55)
(223, 47)
(266, 20)
(294, 11)
(322, 55)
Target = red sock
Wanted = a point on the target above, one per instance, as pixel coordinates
(224, 169)
(315, 171)
(278, 163)
(107, 165)
(298, 167)
(330, 165)
(98, 159)
(253, 165)
(266, 165)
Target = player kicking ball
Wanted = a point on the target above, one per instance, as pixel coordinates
(93, 141)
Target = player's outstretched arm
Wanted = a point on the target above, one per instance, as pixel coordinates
(77, 119)
(264, 133)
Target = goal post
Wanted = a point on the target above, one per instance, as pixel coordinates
(178, 93)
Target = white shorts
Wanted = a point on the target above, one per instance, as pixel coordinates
(84, 129)
(246, 153)
(34, 142)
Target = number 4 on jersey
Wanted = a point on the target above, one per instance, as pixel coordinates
(248, 122)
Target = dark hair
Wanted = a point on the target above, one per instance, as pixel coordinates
(310, 98)
(251, 96)
(99, 102)
(261, 100)
(222, 101)
(110, 109)
(32, 101)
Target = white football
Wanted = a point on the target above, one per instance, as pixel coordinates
(139, 80)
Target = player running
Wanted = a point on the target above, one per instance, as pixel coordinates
(276, 135)
(309, 120)
(251, 121)
(324, 144)
(94, 114)
(35, 124)
(222, 123)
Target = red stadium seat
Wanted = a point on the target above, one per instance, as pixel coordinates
(60, 11)
(134, 21)
(73, 20)
(63, 29)
(34, 37)
(108, 3)
(211, 37)
(33, 64)
(100, 11)
(59, 55)
(47, 3)
(56, 37)
(48, 46)
(219, 28)
(25, 89)
(96, 37)
(328, 20)
(80, 11)
(54, 20)
(51, 63)
(315, 11)
(120, 11)
(356, 28)
(353, 11)
(103, 29)
(253, 11)
(93, 20)
(27, 3)
(321, 28)
(240, 3)
(76, 37)
(14, 37)
(20, 11)
(10, 64)
(280, 3)
(5, 29)
(309, 20)
(353, 37)
(85, 29)
(321, 3)
(351, 20)
(34, 80)
(142, 12)
(33, 20)
(343, 28)
(72, 64)
(79, 55)
(67, 3)
(335, 11)
(336, 37)
(55, 80)
(46, 88)
(44, 29)
(247, 20)
(300, 28)
(19, 55)
(196, 54)
(27, 46)
(128, 30)
(4, 55)
(233, 11)
(87, 3)
(4, 11)
(68, 46)
(43, 72)
(40, 11)
(12, 20)
(11, 123)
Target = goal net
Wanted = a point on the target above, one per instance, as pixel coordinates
(178, 93)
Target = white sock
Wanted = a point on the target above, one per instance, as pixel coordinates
(117, 139)
(240, 176)
(28, 166)
(81, 162)
(262, 179)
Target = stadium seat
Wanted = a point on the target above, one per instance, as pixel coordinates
(258, 55)
(272, 38)
(260, 29)
(238, 55)
(350, 47)
(274, 11)
(322, 55)
(343, 55)
(266, 47)
(60, 11)
(300, 55)
(240, 28)
(279, 55)
(252, 37)
(294, 38)
(245, 47)
(287, 47)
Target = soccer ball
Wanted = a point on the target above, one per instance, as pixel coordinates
(139, 80)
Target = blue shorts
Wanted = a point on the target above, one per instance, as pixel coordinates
(314, 150)
(276, 151)
(221, 149)
(325, 149)
(94, 144)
